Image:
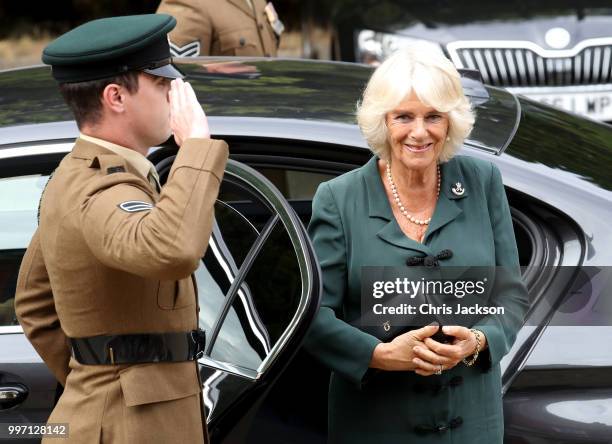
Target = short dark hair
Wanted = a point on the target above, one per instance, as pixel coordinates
(84, 98)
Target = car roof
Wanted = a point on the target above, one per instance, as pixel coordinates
(226, 87)
(316, 101)
(301, 90)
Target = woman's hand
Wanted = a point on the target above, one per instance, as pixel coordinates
(399, 355)
(463, 345)
(187, 118)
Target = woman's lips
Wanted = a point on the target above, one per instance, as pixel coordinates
(418, 148)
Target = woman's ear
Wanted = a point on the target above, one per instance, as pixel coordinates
(113, 98)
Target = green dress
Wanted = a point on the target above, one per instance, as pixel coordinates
(353, 226)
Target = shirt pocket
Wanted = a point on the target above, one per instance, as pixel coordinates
(239, 42)
(172, 295)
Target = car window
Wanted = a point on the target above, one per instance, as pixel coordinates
(295, 184)
(264, 305)
(237, 212)
(250, 278)
(9, 268)
(19, 197)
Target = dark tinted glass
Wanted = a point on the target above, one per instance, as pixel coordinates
(264, 306)
(9, 268)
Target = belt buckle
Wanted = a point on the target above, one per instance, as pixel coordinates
(199, 339)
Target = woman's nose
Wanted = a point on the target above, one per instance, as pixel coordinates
(418, 129)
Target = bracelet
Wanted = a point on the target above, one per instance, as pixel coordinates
(474, 356)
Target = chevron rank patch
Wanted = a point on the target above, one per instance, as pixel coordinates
(134, 206)
(189, 50)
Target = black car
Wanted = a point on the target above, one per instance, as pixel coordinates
(290, 125)
(558, 52)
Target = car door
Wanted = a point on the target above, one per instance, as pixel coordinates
(258, 289)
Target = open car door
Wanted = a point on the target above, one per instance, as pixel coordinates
(258, 290)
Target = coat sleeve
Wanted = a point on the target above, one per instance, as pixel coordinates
(193, 25)
(35, 309)
(165, 240)
(509, 291)
(342, 347)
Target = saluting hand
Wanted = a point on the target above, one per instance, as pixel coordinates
(187, 118)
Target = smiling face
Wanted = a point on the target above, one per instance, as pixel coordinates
(416, 133)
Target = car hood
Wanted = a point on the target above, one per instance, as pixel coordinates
(444, 21)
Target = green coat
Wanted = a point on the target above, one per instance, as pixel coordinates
(353, 226)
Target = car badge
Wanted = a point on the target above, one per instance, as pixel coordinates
(387, 326)
(557, 38)
(458, 189)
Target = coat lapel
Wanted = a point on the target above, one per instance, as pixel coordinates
(379, 208)
(447, 208)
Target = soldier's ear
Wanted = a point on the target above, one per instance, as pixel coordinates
(113, 97)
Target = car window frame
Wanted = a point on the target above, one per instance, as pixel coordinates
(309, 271)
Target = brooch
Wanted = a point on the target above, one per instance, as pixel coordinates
(458, 189)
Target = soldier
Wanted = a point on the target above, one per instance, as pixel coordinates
(223, 27)
(105, 292)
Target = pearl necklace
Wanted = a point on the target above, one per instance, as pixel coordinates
(396, 197)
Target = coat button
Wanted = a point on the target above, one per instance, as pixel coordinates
(455, 422)
(430, 261)
(442, 428)
(242, 41)
(261, 26)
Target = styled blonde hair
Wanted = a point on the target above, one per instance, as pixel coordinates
(435, 81)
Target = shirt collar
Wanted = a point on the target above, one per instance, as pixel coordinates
(139, 162)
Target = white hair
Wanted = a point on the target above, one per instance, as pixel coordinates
(435, 81)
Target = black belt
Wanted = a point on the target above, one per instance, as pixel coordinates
(139, 348)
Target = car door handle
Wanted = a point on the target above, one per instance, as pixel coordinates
(12, 395)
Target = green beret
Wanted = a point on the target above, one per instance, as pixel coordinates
(107, 47)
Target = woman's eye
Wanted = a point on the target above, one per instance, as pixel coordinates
(434, 117)
(402, 118)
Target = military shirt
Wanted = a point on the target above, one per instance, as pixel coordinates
(140, 163)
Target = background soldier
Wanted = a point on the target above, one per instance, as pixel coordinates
(108, 274)
(223, 27)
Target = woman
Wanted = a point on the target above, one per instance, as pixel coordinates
(414, 199)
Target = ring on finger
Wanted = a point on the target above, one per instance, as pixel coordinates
(439, 371)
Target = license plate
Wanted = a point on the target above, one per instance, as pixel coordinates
(596, 105)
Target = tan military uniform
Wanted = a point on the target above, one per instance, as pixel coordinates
(100, 265)
(220, 27)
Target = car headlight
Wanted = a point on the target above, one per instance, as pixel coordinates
(374, 47)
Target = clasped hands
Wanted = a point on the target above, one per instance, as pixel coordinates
(417, 351)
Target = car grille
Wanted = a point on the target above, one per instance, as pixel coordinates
(527, 66)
